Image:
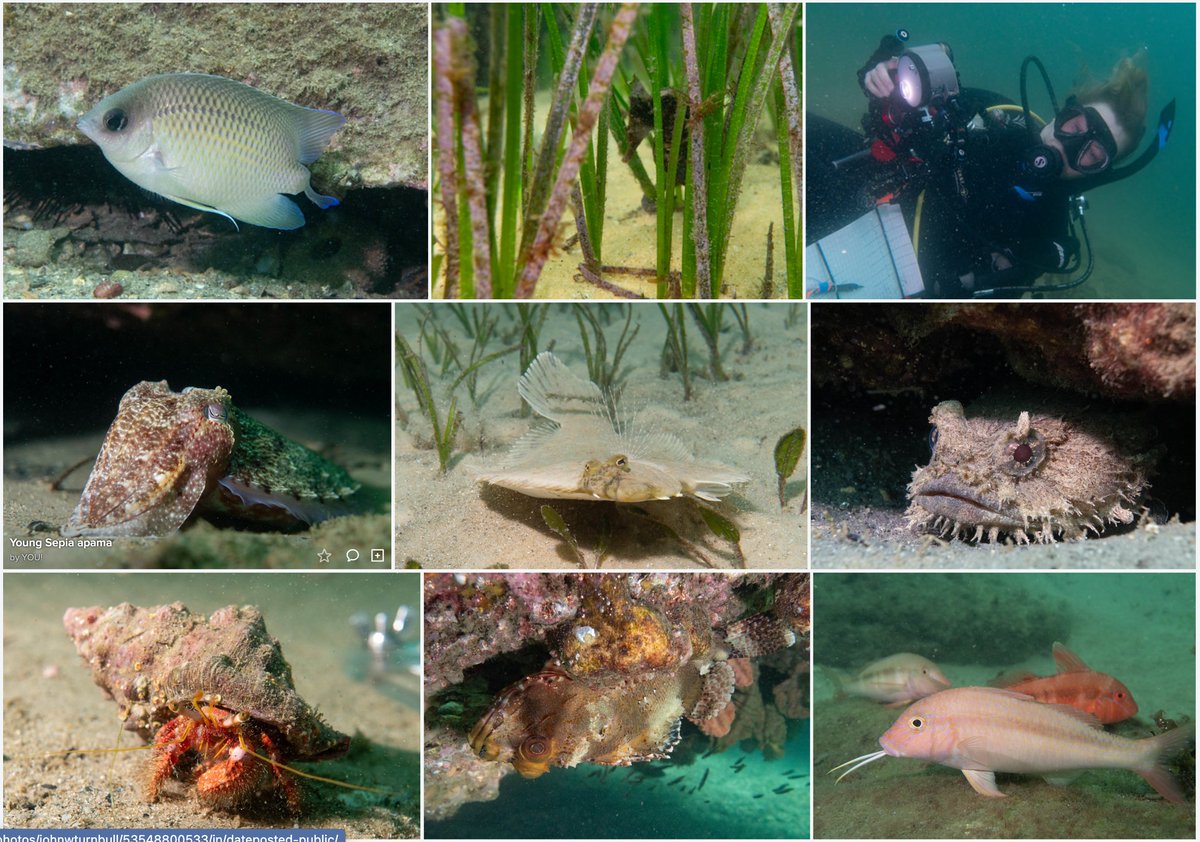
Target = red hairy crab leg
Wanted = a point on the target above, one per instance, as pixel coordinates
(859, 762)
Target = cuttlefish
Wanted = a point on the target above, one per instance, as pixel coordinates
(582, 448)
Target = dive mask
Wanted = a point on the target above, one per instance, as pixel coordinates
(1085, 137)
(1086, 140)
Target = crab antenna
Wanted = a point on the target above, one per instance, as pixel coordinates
(859, 762)
(310, 776)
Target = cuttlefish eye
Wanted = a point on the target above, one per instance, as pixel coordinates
(115, 120)
(215, 412)
(933, 438)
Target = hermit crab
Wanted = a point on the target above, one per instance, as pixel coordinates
(214, 695)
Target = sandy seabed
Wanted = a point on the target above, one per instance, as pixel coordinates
(29, 499)
(451, 521)
(51, 704)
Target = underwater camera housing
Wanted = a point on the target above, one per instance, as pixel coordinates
(921, 116)
(926, 75)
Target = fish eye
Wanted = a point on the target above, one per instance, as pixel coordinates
(535, 747)
(916, 722)
(115, 120)
(1019, 456)
(1120, 695)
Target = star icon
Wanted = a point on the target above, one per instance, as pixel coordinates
(324, 556)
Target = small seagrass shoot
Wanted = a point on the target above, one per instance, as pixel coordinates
(215, 145)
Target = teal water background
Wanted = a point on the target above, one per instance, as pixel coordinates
(599, 802)
(1143, 228)
(1139, 628)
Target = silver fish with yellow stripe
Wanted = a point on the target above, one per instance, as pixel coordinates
(215, 145)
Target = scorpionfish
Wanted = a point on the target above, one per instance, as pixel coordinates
(624, 676)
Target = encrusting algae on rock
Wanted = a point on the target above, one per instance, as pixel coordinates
(1055, 472)
(169, 454)
(215, 145)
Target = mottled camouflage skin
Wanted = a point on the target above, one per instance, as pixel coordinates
(1033, 474)
(169, 454)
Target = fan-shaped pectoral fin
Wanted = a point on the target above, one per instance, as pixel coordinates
(983, 782)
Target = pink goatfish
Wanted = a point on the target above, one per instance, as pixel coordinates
(984, 730)
(895, 680)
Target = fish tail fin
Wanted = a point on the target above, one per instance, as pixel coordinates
(1161, 748)
(836, 679)
(314, 129)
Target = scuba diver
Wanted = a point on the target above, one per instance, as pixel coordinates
(992, 195)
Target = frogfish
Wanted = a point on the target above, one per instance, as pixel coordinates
(215, 145)
(984, 730)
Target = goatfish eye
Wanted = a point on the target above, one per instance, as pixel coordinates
(115, 120)
(917, 723)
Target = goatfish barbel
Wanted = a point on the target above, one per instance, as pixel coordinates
(215, 145)
(984, 730)
(893, 681)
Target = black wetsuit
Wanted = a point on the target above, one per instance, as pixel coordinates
(973, 204)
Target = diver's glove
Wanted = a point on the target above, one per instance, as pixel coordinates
(1059, 254)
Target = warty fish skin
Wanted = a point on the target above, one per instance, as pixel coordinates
(984, 730)
(215, 145)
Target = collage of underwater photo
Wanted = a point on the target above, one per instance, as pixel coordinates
(587, 421)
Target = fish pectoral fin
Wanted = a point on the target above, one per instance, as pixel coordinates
(274, 211)
(1062, 778)
(200, 206)
(983, 782)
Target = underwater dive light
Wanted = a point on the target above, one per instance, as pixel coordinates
(925, 74)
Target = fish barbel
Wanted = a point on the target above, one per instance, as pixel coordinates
(984, 730)
(215, 145)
